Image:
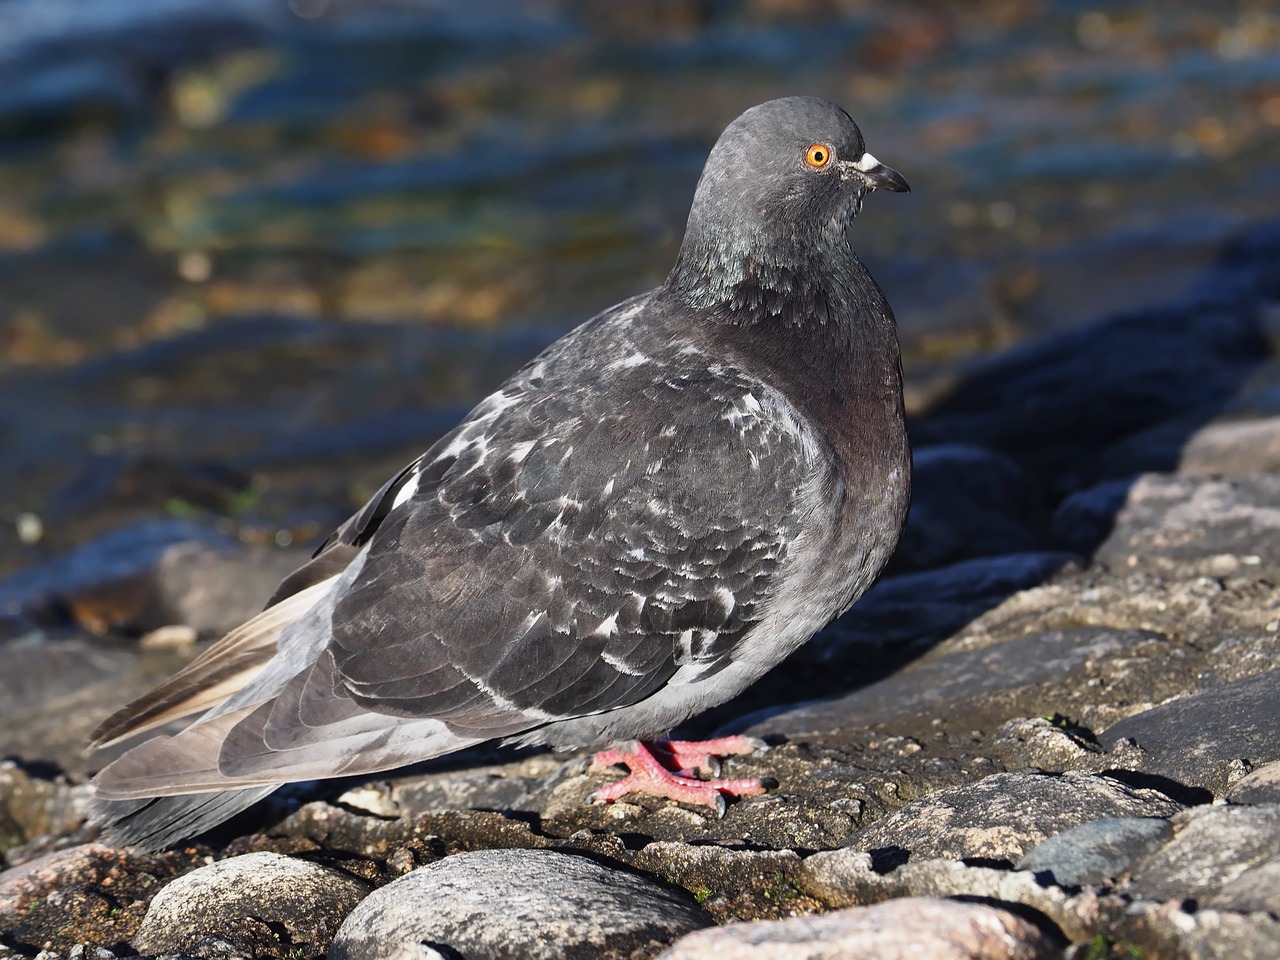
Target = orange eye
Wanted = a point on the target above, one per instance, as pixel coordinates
(818, 155)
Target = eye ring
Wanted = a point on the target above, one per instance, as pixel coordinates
(818, 155)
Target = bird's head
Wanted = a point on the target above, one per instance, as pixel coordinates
(776, 195)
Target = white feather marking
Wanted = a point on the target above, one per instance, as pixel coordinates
(726, 597)
(520, 450)
(405, 493)
(630, 362)
(608, 489)
(684, 655)
(619, 664)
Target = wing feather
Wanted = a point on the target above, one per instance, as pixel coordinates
(214, 675)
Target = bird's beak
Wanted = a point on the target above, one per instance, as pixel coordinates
(878, 176)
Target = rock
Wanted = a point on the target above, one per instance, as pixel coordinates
(1094, 384)
(1043, 743)
(980, 687)
(257, 901)
(1170, 932)
(1189, 446)
(968, 502)
(1255, 889)
(900, 929)
(931, 604)
(117, 556)
(31, 806)
(1260, 786)
(528, 904)
(728, 883)
(87, 893)
(847, 877)
(1238, 448)
(1003, 816)
(1085, 518)
(1211, 846)
(890, 625)
(1097, 851)
(1201, 739)
(54, 692)
(1193, 526)
(212, 590)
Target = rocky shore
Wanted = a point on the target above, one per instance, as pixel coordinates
(1051, 731)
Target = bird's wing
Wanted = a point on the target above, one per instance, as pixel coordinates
(592, 532)
(564, 553)
(215, 674)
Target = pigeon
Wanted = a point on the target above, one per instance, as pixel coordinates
(641, 522)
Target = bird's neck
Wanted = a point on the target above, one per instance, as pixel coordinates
(814, 299)
(823, 328)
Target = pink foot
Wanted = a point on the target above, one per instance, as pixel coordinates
(648, 775)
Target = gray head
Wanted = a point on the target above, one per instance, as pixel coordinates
(776, 195)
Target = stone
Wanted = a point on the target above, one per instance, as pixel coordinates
(32, 806)
(1236, 448)
(1002, 817)
(1201, 739)
(841, 878)
(1042, 743)
(86, 893)
(974, 687)
(1255, 889)
(527, 904)
(897, 930)
(1097, 851)
(931, 604)
(1168, 931)
(1094, 384)
(243, 899)
(1197, 526)
(54, 692)
(728, 883)
(968, 502)
(1212, 846)
(116, 556)
(1260, 786)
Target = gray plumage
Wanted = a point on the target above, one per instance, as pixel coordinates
(637, 525)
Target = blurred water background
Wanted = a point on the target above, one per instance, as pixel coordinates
(255, 254)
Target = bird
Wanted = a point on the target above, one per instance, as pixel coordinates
(638, 524)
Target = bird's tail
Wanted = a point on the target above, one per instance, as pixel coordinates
(154, 823)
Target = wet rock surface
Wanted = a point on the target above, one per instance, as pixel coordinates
(1050, 731)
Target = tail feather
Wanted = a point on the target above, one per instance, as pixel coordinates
(213, 676)
(159, 822)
